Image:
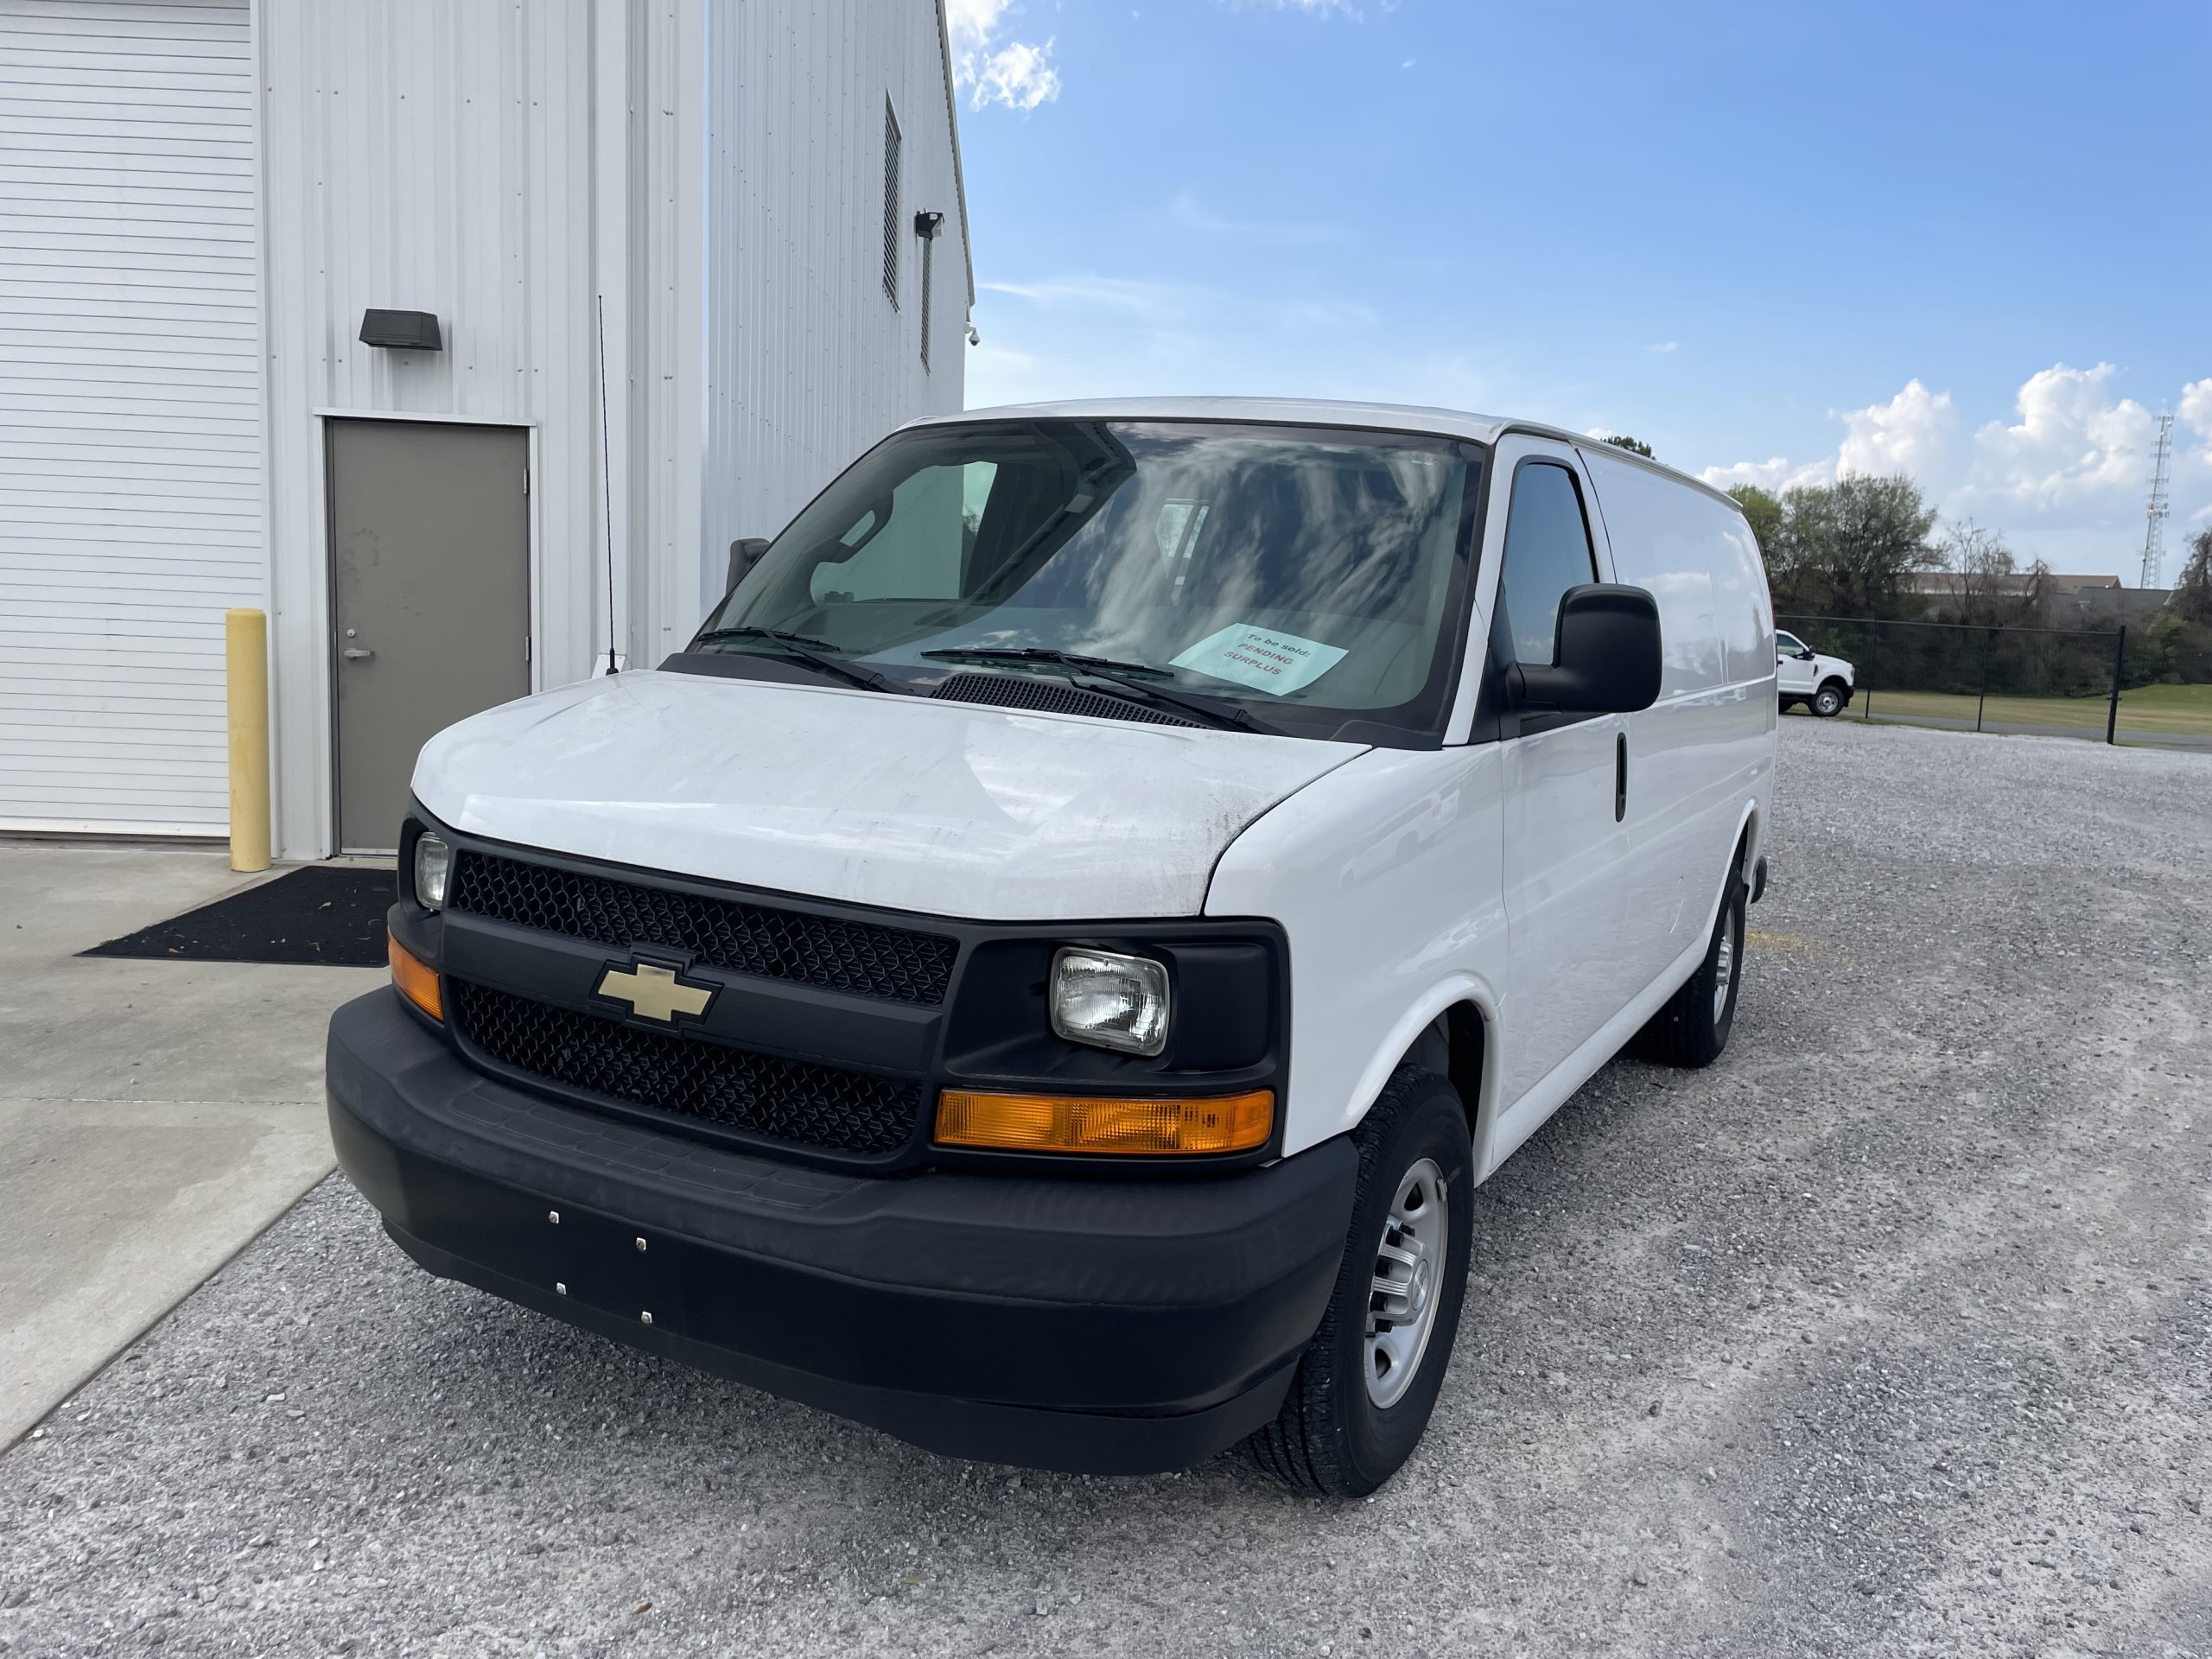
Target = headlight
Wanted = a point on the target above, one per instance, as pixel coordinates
(1109, 1000)
(433, 863)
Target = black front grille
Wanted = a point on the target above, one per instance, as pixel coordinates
(761, 1094)
(1052, 695)
(838, 954)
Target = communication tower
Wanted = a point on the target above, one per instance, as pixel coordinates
(2154, 534)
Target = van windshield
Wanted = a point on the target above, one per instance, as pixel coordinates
(1305, 578)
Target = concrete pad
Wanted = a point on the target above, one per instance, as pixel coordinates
(155, 1116)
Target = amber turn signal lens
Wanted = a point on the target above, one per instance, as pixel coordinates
(1092, 1123)
(417, 980)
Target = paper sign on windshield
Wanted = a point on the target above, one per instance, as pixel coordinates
(1262, 658)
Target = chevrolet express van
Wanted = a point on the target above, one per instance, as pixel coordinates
(1043, 970)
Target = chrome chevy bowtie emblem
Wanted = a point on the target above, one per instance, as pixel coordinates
(654, 992)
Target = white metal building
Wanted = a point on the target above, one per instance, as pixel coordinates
(201, 200)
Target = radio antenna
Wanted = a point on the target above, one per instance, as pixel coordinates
(606, 480)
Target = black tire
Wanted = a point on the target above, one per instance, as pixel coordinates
(1693, 1027)
(1331, 1436)
(1828, 701)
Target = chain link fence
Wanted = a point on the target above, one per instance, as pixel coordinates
(1982, 678)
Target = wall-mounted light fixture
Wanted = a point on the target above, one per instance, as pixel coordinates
(402, 331)
(926, 226)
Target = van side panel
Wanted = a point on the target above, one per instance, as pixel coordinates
(1704, 753)
(1385, 875)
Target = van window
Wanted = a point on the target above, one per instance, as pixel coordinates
(1546, 552)
(1309, 571)
(913, 546)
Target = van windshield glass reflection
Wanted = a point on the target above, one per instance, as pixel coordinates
(1308, 575)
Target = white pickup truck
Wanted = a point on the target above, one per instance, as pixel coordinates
(1803, 675)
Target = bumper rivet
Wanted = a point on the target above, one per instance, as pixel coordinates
(639, 1243)
(560, 1287)
(554, 1217)
(645, 1317)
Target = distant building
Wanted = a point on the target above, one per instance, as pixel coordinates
(2062, 601)
(1951, 584)
(207, 205)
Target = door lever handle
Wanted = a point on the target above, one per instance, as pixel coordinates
(354, 653)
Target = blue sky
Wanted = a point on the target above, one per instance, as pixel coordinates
(1972, 243)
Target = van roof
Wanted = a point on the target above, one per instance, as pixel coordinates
(1312, 411)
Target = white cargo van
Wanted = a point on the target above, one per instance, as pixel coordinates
(1043, 970)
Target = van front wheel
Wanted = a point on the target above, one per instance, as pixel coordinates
(1693, 1027)
(1368, 1381)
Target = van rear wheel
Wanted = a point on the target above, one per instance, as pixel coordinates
(1693, 1027)
(1368, 1381)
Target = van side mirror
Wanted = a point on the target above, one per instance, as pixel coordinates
(744, 554)
(1606, 657)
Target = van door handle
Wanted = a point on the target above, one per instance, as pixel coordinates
(1620, 777)
(354, 653)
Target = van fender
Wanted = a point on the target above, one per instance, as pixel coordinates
(1744, 819)
(1420, 1015)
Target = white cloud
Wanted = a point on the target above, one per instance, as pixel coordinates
(2071, 441)
(1326, 312)
(1664, 346)
(1191, 213)
(1775, 474)
(1917, 432)
(971, 24)
(2066, 475)
(1154, 304)
(2196, 411)
(1090, 335)
(1312, 8)
(1018, 73)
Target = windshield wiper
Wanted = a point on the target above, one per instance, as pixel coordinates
(1124, 675)
(805, 649)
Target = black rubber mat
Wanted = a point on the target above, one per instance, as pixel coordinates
(325, 912)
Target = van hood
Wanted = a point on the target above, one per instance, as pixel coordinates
(944, 808)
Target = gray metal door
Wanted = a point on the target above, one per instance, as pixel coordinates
(430, 599)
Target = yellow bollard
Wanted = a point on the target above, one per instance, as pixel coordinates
(245, 649)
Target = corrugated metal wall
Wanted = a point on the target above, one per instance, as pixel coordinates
(711, 168)
(436, 155)
(129, 407)
(809, 361)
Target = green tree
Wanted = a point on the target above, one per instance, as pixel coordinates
(1763, 513)
(2192, 599)
(1634, 445)
(2153, 649)
(1845, 548)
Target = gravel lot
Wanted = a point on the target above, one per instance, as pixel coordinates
(1892, 1333)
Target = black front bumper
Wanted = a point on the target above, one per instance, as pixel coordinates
(1106, 1326)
